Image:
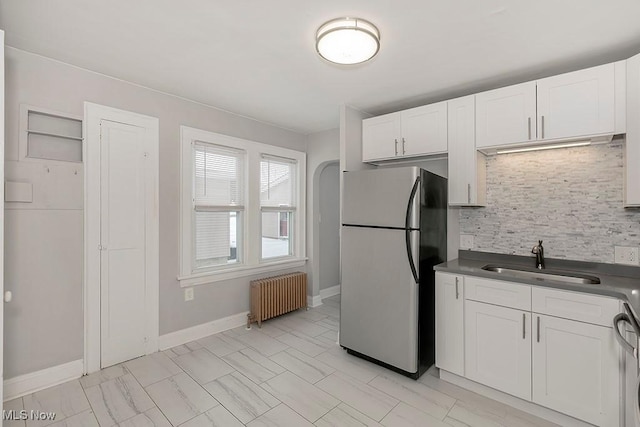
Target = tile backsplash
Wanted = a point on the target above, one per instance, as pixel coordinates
(570, 198)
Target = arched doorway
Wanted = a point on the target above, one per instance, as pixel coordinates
(329, 230)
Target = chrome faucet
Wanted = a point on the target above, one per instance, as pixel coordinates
(539, 251)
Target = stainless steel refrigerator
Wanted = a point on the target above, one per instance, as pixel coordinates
(394, 230)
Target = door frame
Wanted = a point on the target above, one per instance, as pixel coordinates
(2, 81)
(93, 114)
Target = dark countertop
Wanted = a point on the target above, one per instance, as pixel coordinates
(616, 280)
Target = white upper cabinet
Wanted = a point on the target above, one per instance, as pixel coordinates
(577, 104)
(594, 103)
(380, 137)
(564, 107)
(419, 131)
(424, 130)
(467, 167)
(506, 115)
(632, 145)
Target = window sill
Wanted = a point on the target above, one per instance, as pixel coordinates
(234, 273)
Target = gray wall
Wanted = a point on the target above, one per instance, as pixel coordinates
(330, 226)
(322, 148)
(570, 198)
(43, 323)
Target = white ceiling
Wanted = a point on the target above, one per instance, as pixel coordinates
(258, 59)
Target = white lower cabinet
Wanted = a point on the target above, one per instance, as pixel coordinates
(566, 360)
(576, 369)
(450, 322)
(498, 347)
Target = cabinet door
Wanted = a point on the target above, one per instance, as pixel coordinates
(450, 323)
(424, 130)
(506, 115)
(632, 146)
(467, 167)
(498, 347)
(380, 137)
(576, 369)
(577, 104)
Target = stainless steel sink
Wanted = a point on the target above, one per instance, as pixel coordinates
(557, 275)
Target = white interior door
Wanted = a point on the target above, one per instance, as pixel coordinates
(122, 226)
(121, 236)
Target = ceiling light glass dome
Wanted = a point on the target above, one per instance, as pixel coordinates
(347, 41)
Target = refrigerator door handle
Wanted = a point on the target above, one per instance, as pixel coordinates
(408, 230)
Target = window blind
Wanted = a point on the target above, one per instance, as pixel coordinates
(218, 177)
(218, 200)
(277, 182)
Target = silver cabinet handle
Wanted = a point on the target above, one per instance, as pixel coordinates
(542, 126)
(396, 146)
(457, 293)
(403, 146)
(538, 332)
(524, 330)
(469, 193)
(529, 124)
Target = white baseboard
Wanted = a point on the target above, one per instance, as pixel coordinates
(329, 292)
(193, 333)
(314, 301)
(35, 381)
(523, 405)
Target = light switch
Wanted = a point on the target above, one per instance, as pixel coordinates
(188, 294)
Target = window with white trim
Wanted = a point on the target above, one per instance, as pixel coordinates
(218, 195)
(277, 206)
(242, 207)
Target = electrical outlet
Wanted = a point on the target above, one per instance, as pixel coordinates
(626, 255)
(466, 241)
(188, 294)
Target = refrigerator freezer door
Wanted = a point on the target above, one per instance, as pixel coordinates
(379, 197)
(379, 297)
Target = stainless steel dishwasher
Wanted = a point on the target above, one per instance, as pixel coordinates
(628, 337)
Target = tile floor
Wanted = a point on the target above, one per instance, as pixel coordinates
(289, 373)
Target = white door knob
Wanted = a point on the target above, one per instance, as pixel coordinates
(8, 296)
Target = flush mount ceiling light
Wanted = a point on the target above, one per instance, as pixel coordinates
(347, 40)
